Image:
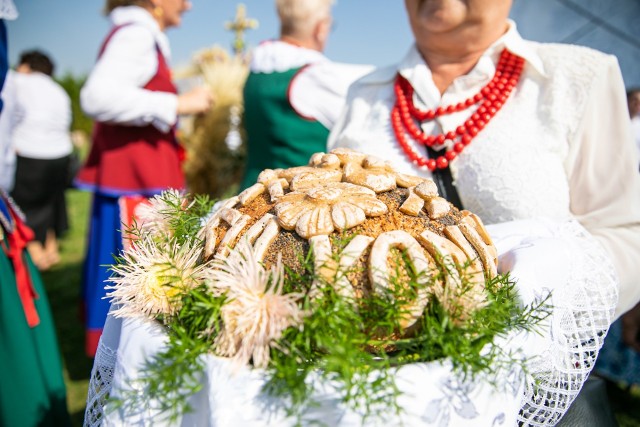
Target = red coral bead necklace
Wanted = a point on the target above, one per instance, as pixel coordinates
(491, 98)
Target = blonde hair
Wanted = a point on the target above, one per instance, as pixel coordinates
(297, 17)
(112, 4)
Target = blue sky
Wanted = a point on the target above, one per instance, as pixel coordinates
(71, 30)
(366, 32)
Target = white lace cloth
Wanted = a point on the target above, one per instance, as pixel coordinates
(542, 256)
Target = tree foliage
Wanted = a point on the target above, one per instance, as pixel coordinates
(72, 85)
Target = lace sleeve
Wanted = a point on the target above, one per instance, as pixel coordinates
(571, 264)
(102, 372)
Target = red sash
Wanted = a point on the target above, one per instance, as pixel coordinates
(17, 240)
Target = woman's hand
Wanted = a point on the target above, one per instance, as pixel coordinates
(197, 100)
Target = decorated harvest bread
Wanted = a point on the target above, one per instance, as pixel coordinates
(359, 217)
(337, 271)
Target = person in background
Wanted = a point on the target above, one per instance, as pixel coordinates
(7, 12)
(7, 156)
(39, 116)
(135, 153)
(619, 359)
(32, 390)
(294, 93)
(534, 139)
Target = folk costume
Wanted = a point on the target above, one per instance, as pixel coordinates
(7, 153)
(7, 158)
(617, 361)
(292, 98)
(545, 142)
(135, 153)
(7, 12)
(32, 390)
(39, 116)
(535, 141)
(531, 164)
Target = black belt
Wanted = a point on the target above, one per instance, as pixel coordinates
(444, 180)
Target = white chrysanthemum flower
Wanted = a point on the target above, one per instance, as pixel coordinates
(152, 278)
(256, 312)
(153, 217)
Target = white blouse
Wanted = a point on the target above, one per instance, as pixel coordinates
(319, 90)
(37, 120)
(560, 147)
(114, 90)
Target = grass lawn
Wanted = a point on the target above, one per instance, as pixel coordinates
(63, 288)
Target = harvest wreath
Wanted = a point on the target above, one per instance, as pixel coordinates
(343, 267)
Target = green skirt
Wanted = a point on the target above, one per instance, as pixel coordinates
(32, 390)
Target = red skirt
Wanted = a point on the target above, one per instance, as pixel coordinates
(127, 160)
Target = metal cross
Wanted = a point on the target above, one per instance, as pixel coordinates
(239, 26)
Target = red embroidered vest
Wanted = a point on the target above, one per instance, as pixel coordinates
(132, 159)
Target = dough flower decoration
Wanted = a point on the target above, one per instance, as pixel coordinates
(339, 165)
(256, 311)
(152, 279)
(371, 171)
(321, 209)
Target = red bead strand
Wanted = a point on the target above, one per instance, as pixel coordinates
(491, 98)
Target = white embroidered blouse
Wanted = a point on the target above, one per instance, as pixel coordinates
(114, 90)
(558, 149)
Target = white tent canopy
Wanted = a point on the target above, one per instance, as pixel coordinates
(611, 26)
